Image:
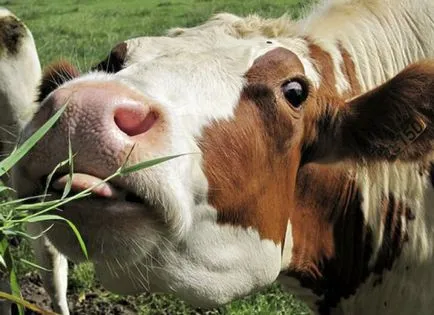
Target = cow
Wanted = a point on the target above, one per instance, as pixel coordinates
(311, 163)
(20, 73)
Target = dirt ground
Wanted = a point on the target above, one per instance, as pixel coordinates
(100, 301)
(90, 303)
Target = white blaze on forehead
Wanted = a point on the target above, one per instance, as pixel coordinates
(145, 49)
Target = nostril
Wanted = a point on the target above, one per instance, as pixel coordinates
(134, 122)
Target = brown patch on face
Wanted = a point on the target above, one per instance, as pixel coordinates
(327, 99)
(115, 61)
(349, 70)
(55, 75)
(251, 160)
(324, 66)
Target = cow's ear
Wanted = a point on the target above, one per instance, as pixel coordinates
(115, 61)
(393, 121)
(55, 75)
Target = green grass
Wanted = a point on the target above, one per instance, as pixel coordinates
(84, 31)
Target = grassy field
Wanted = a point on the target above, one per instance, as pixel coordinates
(84, 31)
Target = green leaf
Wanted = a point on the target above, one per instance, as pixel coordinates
(10, 266)
(50, 176)
(79, 238)
(3, 188)
(68, 185)
(12, 159)
(26, 235)
(37, 206)
(3, 262)
(3, 247)
(34, 265)
(15, 286)
(45, 217)
(23, 303)
(147, 164)
(48, 217)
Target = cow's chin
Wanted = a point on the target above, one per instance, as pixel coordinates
(116, 233)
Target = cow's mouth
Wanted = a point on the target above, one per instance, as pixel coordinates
(99, 189)
(111, 216)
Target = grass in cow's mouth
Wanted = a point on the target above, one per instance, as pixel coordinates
(123, 195)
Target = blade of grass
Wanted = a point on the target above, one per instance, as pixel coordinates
(10, 267)
(17, 201)
(146, 164)
(12, 159)
(15, 286)
(32, 237)
(3, 188)
(68, 185)
(3, 262)
(24, 303)
(50, 176)
(50, 217)
(25, 261)
(36, 206)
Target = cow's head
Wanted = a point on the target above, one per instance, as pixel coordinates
(209, 226)
(20, 73)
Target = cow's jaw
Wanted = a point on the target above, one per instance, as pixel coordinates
(213, 265)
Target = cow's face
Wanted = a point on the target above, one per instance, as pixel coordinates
(209, 225)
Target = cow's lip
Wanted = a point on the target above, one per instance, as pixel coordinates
(99, 188)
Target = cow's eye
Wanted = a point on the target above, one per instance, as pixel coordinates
(295, 92)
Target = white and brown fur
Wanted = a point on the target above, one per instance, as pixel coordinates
(384, 220)
(364, 44)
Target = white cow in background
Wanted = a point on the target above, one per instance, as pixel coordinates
(20, 73)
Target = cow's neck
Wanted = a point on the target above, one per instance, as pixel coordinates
(332, 244)
(360, 230)
(396, 204)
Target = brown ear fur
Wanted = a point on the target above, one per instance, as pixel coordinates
(55, 75)
(115, 61)
(393, 121)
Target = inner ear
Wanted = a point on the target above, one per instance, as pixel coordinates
(55, 75)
